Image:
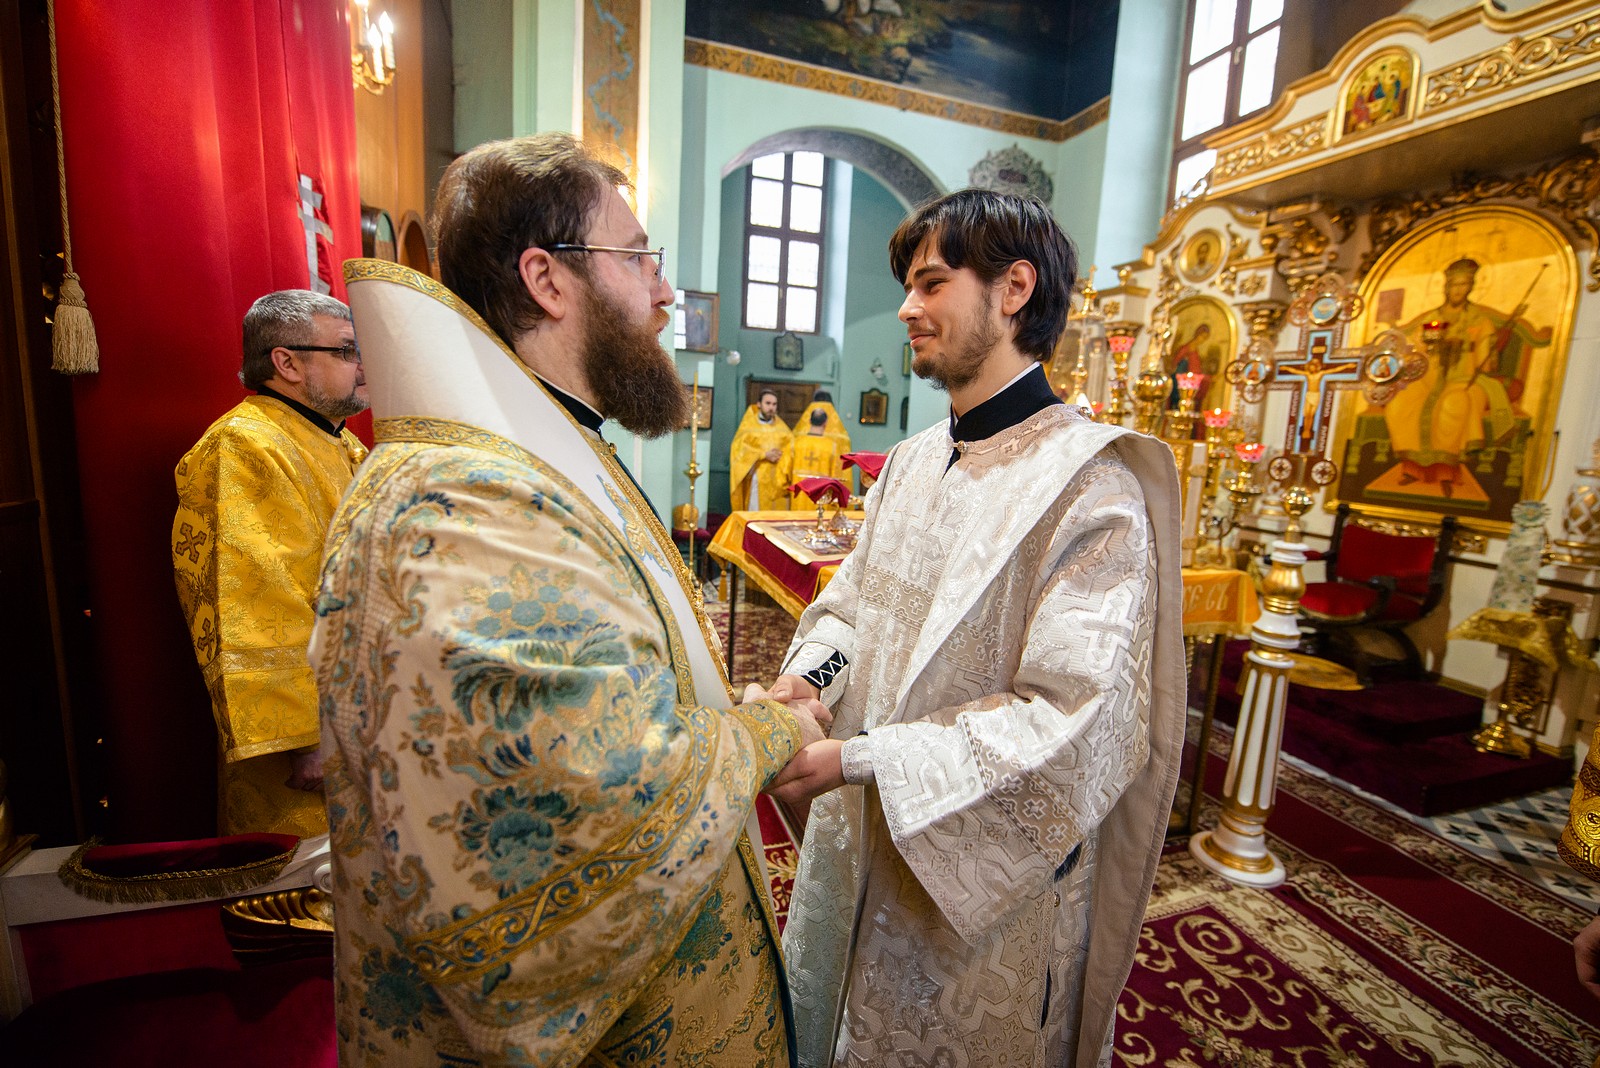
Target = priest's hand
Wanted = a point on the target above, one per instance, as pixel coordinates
(774, 455)
(810, 773)
(305, 770)
(794, 688)
(812, 715)
(1585, 950)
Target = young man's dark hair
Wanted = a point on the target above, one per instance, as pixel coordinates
(764, 394)
(988, 232)
(503, 198)
(822, 396)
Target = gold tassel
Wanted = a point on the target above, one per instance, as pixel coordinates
(74, 349)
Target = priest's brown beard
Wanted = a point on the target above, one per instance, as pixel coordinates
(633, 379)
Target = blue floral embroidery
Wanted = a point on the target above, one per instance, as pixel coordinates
(395, 995)
(705, 938)
(515, 833)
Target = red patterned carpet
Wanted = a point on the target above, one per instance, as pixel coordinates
(1387, 946)
(764, 631)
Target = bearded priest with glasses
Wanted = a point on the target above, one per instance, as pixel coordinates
(255, 495)
(539, 783)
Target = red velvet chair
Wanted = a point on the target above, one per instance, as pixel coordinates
(1376, 581)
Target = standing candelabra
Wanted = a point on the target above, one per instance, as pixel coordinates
(686, 517)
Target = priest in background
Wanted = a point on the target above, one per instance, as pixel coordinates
(255, 495)
(822, 401)
(1004, 659)
(758, 462)
(816, 455)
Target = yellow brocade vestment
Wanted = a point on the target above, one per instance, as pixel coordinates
(747, 460)
(834, 428)
(255, 495)
(815, 456)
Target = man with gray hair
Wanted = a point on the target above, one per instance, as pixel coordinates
(255, 496)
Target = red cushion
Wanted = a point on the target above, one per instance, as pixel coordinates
(1365, 554)
(1341, 600)
(1338, 599)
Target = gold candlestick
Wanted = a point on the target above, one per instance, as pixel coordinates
(1181, 421)
(1119, 339)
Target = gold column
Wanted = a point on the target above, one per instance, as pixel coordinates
(1237, 848)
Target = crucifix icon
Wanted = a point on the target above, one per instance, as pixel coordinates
(1314, 374)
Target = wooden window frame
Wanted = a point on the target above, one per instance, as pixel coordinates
(784, 234)
(1236, 47)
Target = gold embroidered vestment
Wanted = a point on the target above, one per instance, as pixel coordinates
(255, 495)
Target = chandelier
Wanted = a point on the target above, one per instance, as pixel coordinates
(372, 49)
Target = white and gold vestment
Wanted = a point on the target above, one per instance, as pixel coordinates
(538, 785)
(1012, 631)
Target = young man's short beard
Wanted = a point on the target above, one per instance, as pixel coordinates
(962, 365)
(633, 379)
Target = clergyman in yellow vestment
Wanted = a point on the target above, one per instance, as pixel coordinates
(255, 495)
(758, 462)
(822, 401)
(816, 455)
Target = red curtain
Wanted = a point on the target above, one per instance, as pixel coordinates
(187, 126)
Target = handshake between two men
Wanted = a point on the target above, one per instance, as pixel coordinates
(817, 766)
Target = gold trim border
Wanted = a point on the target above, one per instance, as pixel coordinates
(713, 55)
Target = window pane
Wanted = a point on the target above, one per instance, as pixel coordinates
(768, 166)
(762, 266)
(1191, 169)
(803, 259)
(766, 203)
(808, 168)
(800, 311)
(761, 306)
(805, 208)
(1213, 27)
(1263, 12)
(1260, 61)
(1205, 96)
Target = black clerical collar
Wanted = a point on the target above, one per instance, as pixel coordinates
(317, 419)
(1028, 394)
(586, 416)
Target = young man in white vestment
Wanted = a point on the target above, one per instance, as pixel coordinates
(1003, 658)
(538, 784)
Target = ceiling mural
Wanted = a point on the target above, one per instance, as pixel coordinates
(1050, 58)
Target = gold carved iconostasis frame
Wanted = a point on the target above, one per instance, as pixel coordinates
(1473, 435)
(1217, 348)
